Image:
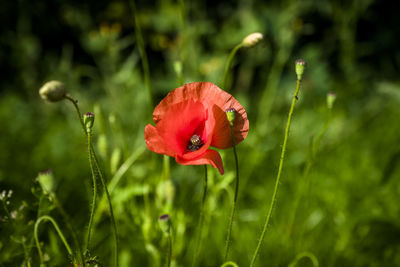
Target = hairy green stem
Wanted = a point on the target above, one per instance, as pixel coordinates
(260, 240)
(92, 155)
(201, 220)
(228, 237)
(89, 141)
(228, 65)
(114, 225)
(60, 234)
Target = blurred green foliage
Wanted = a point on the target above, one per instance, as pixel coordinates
(343, 210)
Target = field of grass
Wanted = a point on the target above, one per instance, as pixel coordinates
(336, 202)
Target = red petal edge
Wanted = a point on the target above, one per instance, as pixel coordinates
(211, 157)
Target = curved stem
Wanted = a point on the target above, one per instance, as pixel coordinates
(228, 238)
(229, 263)
(68, 220)
(78, 112)
(228, 65)
(60, 234)
(260, 240)
(305, 254)
(201, 221)
(89, 141)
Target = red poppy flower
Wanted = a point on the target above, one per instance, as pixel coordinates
(192, 118)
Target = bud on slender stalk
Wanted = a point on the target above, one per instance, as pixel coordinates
(165, 223)
(53, 91)
(300, 65)
(230, 115)
(88, 120)
(46, 181)
(330, 99)
(252, 39)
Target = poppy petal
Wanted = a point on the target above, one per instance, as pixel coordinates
(211, 157)
(155, 142)
(210, 95)
(182, 121)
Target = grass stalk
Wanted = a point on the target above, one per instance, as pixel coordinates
(228, 237)
(201, 220)
(260, 240)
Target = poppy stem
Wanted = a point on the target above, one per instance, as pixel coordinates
(169, 255)
(260, 240)
(92, 155)
(228, 65)
(113, 223)
(201, 221)
(228, 238)
(89, 141)
(60, 234)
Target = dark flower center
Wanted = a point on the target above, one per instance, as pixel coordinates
(195, 143)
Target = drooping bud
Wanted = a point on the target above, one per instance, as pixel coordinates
(330, 99)
(230, 115)
(46, 181)
(165, 223)
(300, 65)
(252, 39)
(53, 91)
(88, 120)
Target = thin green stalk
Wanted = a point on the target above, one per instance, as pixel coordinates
(169, 253)
(78, 112)
(60, 234)
(228, 65)
(260, 240)
(114, 225)
(228, 238)
(143, 55)
(201, 220)
(93, 154)
(68, 222)
(89, 141)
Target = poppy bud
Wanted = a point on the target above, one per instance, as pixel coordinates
(165, 223)
(53, 91)
(252, 39)
(230, 115)
(46, 181)
(88, 120)
(300, 64)
(330, 99)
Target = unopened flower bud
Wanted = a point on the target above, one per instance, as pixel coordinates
(252, 39)
(300, 65)
(53, 91)
(46, 181)
(330, 99)
(230, 115)
(88, 120)
(165, 223)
